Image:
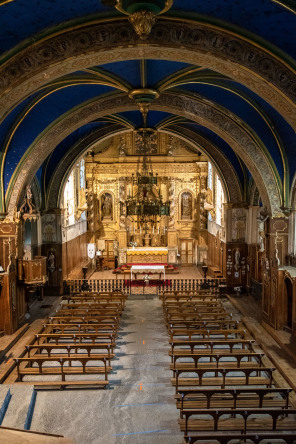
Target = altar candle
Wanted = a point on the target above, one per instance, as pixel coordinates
(134, 228)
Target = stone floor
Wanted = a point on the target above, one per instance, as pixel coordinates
(138, 407)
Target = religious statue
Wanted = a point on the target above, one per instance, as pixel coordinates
(261, 221)
(277, 261)
(237, 259)
(82, 197)
(122, 148)
(209, 196)
(172, 203)
(186, 206)
(51, 260)
(28, 206)
(106, 206)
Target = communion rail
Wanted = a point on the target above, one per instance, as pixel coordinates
(125, 285)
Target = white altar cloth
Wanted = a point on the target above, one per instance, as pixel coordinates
(148, 269)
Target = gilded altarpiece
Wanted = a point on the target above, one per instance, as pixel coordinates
(181, 176)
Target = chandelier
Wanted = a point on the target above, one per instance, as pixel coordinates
(145, 203)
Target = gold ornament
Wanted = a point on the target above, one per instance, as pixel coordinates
(142, 22)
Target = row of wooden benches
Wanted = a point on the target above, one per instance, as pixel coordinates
(78, 341)
(225, 389)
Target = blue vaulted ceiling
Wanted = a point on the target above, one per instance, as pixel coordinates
(267, 22)
(21, 19)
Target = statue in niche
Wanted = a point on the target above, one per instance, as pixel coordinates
(51, 261)
(237, 259)
(106, 206)
(186, 206)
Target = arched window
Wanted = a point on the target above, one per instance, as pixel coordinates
(219, 201)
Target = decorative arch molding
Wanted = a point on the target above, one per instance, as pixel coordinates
(57, 182)
(224, 167)
(106, 41)
(225, 124)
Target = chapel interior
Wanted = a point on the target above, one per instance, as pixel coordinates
(147, 221)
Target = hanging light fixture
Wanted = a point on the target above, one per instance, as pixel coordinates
(146, 206)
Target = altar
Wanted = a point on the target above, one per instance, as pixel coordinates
(147, 269)
(147, 255)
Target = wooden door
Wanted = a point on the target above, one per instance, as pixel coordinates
(187, 252)
(108, 254)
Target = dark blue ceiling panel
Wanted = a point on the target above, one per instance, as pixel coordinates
(129, 70)
(159, 69)
(264, 18)
(42, 115)
(21, 18)
(246, 112)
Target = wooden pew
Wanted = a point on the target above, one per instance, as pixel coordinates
(63, 370)
(189, 293)
(223, 377)
(192, 317)
(211, 345)
(238, 420)
(99, 297)
(80, 328)
(66, 349)
(76, 338)
(207, 333)
(192, 310)
(256, 438)
(94, 305)
(89, 319)
(215, 360)
(189, 304)
(239, 397)
(85, 311)
(204, 324)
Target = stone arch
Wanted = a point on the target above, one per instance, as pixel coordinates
(226, 125)
(193, 42)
